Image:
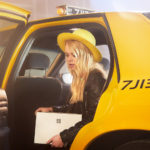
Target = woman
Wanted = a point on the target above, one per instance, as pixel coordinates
(81, 57)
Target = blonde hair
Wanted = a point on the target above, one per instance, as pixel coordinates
(85, 63)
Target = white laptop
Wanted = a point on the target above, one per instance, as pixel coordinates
(50, 124)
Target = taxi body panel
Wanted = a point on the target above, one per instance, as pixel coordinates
(124, 103)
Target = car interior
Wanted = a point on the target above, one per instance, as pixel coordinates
(42, 80)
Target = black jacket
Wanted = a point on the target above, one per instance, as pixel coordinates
(87, 108)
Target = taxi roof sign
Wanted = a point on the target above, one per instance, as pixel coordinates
(71, 10)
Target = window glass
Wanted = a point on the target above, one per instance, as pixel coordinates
(65, 74)
(45, 46)
(105, 57)
(7, 28)
(40, 57)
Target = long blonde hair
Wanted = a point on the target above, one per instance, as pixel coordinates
(85, 63)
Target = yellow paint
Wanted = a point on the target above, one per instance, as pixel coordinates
(129, 108)
(11, 8)
(100, 127)
(131, 34)
(99, 20)
(118, 109)
(12, 16)
(40, 26)
(93, 129)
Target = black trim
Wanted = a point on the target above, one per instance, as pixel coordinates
(92, 15)
(142, 144)
(114, 139)
(147, 14)
(113, 48)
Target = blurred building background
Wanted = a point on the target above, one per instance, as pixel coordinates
(47, 8)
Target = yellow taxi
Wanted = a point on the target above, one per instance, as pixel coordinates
(33, 73)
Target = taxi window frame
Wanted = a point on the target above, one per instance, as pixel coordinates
(11, 46)
(15, 70)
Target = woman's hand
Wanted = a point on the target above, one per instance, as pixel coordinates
(44, 109)
(56, 141)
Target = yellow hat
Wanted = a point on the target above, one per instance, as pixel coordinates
(82, 36)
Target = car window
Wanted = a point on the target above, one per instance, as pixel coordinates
(7, 28)
(47, 62)
(39, 59)
(65, 74)
(104, 49)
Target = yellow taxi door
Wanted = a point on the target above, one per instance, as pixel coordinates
(12, 18)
